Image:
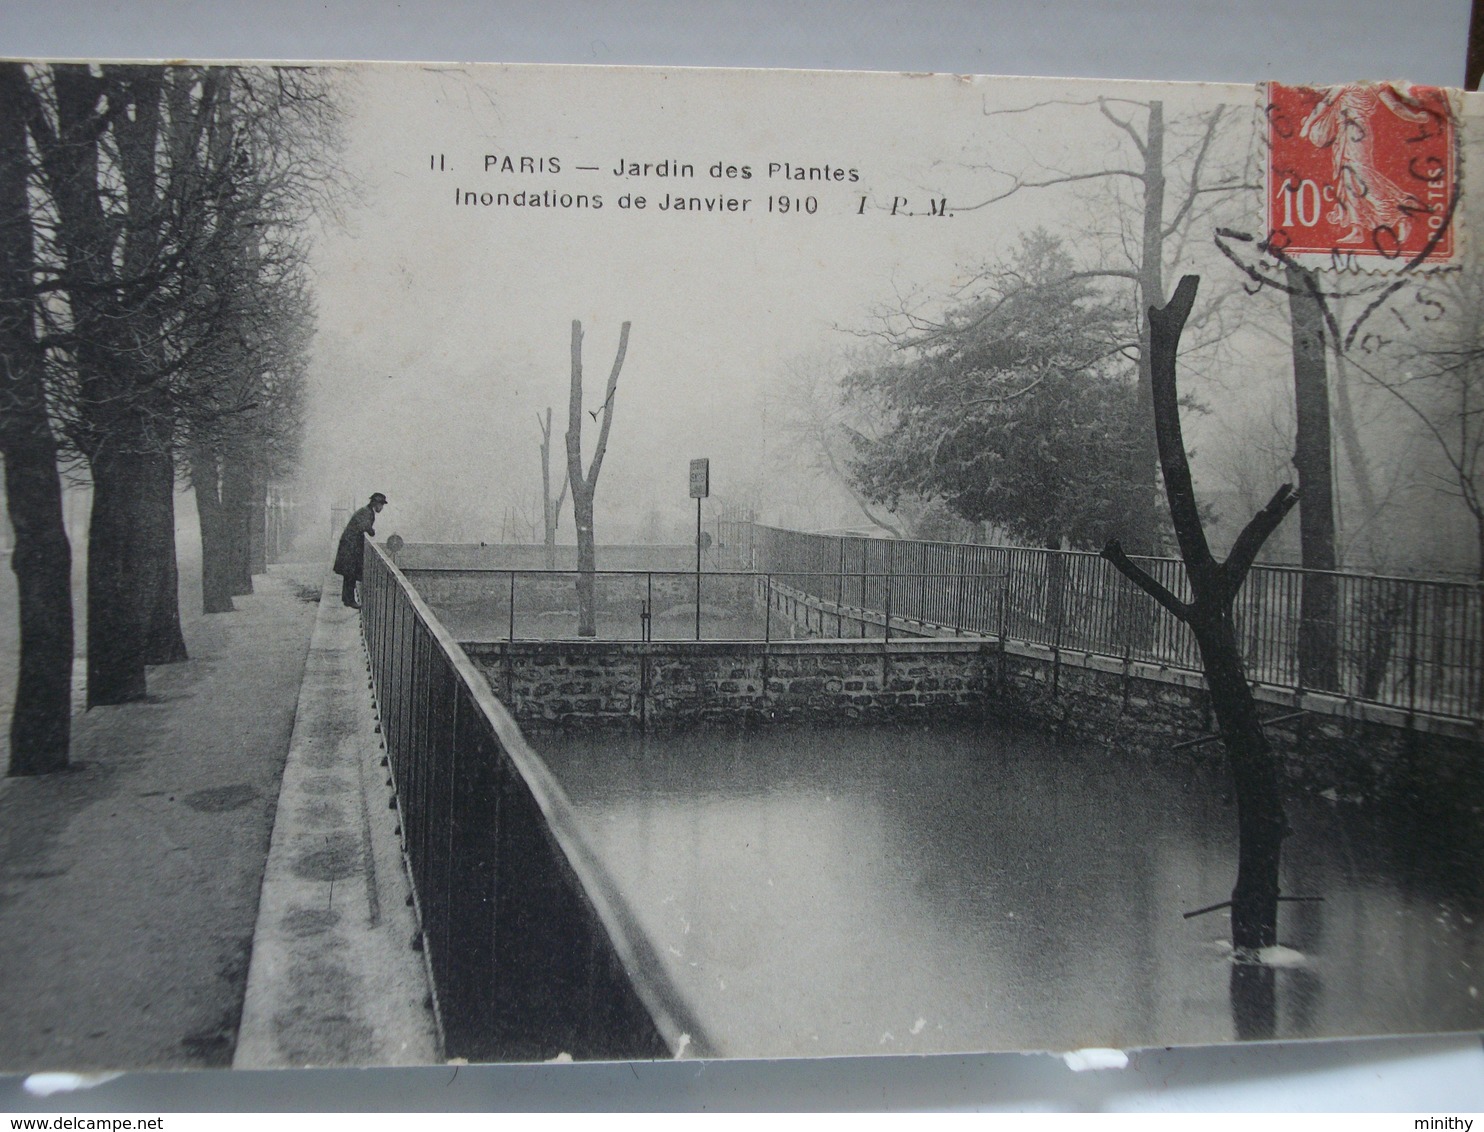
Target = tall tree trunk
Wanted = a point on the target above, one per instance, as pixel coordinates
(1256, 772)
(41, 722)
(1256, 783)
(1318, 645)
(257, 524)
(1253, 990)
(160, 572)
(551, 512)
(1140, 476)
(237, 508)
(1360, 468)
(1056, 583)
(587, 562)
(216, 585)
(116, 625)
(109, 430)
(583, 486)
(141, 359)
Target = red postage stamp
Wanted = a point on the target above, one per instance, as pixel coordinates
(1362, 174)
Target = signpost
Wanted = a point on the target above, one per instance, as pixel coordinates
(700, 488)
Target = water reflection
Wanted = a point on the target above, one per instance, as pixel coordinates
(885, 891)
(1254, 1001)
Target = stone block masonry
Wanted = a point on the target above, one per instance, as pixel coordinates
(680, 683)
(1355, 750)
(1328, 743)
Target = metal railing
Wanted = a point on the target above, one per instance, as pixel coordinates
(490, 603)
(1408, 643)
(532, 950)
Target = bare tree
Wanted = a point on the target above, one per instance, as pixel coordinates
(521, 517)
(1256, 771)
(262, 158)
(584, 485)
(40, 725)
(104, 240)
(551, 512)
(1435, 374)
(1170, 180)
(1322, 333)
(141, 176)
(1318, 595)
(819, 422)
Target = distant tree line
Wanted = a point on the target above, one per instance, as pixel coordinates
(155, 317)
(1022, 399)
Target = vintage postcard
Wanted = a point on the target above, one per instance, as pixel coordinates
(515, 563)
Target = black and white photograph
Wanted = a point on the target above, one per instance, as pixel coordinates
(523, 563)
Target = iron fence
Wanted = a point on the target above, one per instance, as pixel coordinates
(532, 950)
(489, 603)
(1409, 643)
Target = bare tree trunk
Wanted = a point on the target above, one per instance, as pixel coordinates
(1139, 482)
(41, 722)
(855, 494)
(116, 625)
(216, 585)
(1056, 582)
(1256, 782)
(237, 511)
(1318, 646)
(583, 486)
(110, 431)
(257, 523)
(142, 359)
(1256, 771)
(160, 573)
(587, 564)
(551, 513)
(1355, 453)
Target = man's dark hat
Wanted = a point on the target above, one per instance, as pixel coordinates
(377, 497)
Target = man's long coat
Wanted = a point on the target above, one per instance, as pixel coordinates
(348, 554)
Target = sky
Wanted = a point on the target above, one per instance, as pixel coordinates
(445, 309)
(444, 327)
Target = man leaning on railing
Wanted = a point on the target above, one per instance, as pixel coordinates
(348, 555)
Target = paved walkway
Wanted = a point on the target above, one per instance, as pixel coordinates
(334, 979)
(129, 884)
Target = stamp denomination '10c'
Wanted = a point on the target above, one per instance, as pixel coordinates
(1362, 173)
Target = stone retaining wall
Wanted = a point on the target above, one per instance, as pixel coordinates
(674, 683)
(1354, 750)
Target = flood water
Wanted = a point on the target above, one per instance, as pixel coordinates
(852, 891)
